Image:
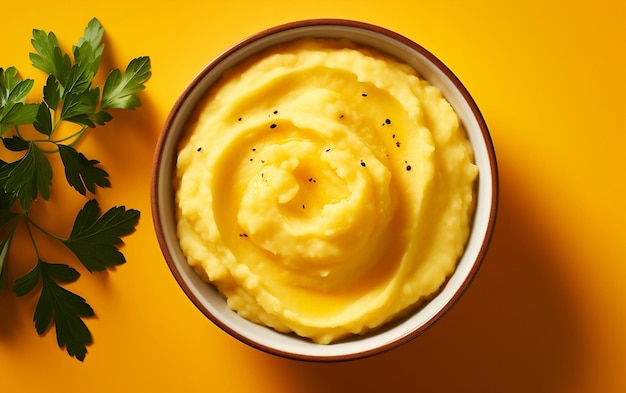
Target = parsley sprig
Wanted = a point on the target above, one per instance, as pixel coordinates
(69, 97)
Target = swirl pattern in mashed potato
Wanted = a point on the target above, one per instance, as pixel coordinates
(324, 189)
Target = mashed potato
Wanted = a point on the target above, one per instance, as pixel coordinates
(324, 189)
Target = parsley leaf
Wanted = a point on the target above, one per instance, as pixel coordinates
(120, 90)
(51, 92)
(5, 245)
(78, 107)
(49, 57)
(79, 79)
(82, 173)
(13, 91)
(57, 303)
(15, 143)
(93, 238)
(43, 121)
(17, 114)
(27, 177)
(88, 51)
(101, 117)
(9, 91)
(13, 88)
(87, 55)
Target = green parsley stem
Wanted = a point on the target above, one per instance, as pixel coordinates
(55, 123)
(77, 136)
(32, 237)
(42, 229)
(49, 151)
(17, 131)
(9, 235)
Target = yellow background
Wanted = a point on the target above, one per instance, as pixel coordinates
(547, 311)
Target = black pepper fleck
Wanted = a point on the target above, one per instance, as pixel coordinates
(397, 144)
(303, 206)
(275, 112)
(387, 121)
(327, 150)
(341, 117)
(254, 149)
(362, 163)
(393, 136)
(239, 119)
(408, 167)
(273, 125)
(243, 235)
(199, 149)
(364, 94)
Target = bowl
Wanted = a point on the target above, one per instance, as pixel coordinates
(213, 305)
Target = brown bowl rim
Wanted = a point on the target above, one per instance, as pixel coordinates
(154, 195)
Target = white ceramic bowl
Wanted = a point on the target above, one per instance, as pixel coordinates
(205, 296)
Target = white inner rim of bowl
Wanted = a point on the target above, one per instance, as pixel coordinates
(288, 344)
